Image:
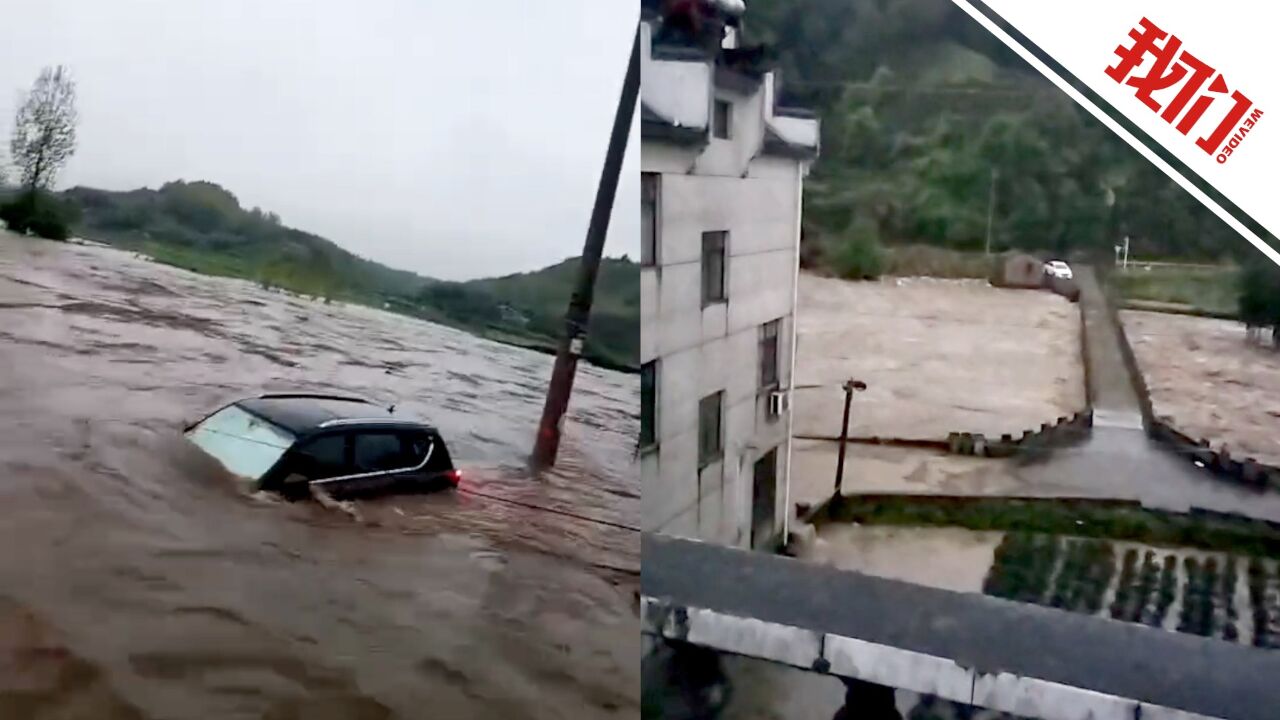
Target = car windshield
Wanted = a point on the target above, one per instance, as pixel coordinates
(244, 443)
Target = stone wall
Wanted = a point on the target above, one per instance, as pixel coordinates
(1131, 364)
(1247, 471)
(1064, 431)
(1066, 287)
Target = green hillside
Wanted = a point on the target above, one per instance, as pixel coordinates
(529, 307)
(201, 226)
(922, 108)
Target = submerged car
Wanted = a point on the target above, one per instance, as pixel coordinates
(1058, 269)
(297, 443)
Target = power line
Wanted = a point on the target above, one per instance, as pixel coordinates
(543, 508)
(850, 85)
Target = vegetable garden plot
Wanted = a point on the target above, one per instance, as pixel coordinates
(1208, 594)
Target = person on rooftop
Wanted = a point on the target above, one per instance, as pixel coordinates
(698, 23)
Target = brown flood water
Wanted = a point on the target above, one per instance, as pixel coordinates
(136, 580)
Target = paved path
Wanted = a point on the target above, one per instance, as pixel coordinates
(1115, 400)
(1119, 459)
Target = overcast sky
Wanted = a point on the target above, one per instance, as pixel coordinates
(455, 138)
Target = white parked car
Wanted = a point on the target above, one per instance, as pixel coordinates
(1058, 269)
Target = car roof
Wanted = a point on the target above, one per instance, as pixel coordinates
(302, 414)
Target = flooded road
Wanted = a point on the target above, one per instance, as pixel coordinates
(137, 580)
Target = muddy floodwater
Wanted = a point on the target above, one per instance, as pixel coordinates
(937, 356)
(950, 558)
(138, 581)
(1209, 382)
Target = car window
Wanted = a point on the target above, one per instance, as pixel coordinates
(417, 445)
(244, 443)
(324, 457)
(379, 451)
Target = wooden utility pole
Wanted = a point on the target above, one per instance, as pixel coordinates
(547, 444)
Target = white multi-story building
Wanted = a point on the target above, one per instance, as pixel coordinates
(723, 174)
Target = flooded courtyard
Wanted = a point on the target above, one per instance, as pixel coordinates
(139, 581)
(937, 356)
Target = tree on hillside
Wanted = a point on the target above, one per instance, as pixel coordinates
(1260, 298)
(44, 129)
(202, 205)
(921, 107)
(44, 137)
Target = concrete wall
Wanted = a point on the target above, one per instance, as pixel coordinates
(716, 348)
(722, 184)
(1032, 661)
(896, 667)
(1065, 430)
(677, 90)
(796, 130)
(1019, 270)
(1247, 470)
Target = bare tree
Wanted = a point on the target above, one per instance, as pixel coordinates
(44, 129)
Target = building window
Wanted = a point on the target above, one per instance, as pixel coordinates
(721, 120)
(769, 354)
(713, 252)
(710, 432)
(649, 218)
(764, 499)
(648, 404)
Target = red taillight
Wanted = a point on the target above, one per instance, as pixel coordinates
(454, 477)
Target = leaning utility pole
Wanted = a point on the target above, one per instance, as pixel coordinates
(548, 442)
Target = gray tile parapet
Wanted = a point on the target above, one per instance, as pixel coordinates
(1018, 658)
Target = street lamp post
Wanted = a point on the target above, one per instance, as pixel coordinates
(991, 206)
(850, 386)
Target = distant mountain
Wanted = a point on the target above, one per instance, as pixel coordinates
(201, 226)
